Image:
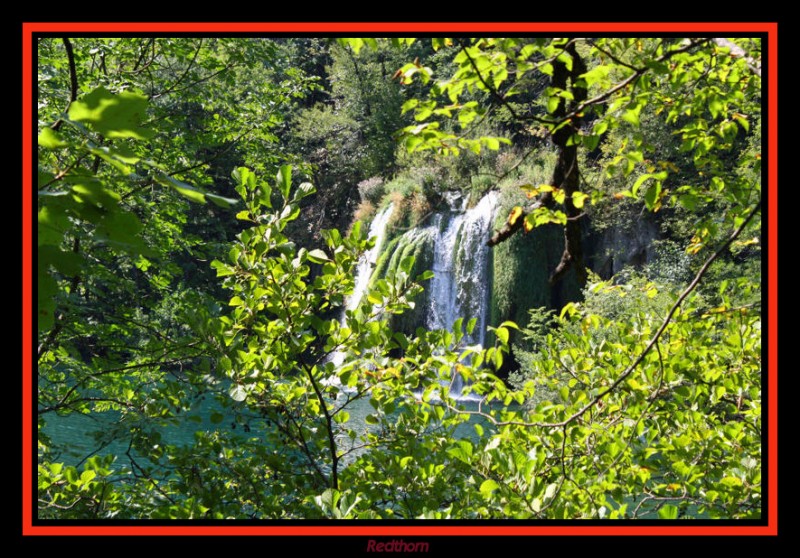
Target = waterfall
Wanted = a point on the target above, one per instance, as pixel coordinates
(460, 287)
(363, 272)
(460, 260)
(367, 261)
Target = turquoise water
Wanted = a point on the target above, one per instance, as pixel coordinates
(101, 434)
(75, 437)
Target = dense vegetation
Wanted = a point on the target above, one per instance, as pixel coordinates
(202, 205)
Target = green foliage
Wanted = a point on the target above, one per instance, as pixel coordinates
(525, 260)
(281, 362)
(124, 291)
(417, 246)
(89, 493)
(706, 95)
(650, 450)
(372, 190)
(628, 405)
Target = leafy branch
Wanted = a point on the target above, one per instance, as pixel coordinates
(640, 358)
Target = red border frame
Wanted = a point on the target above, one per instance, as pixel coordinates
(369, 28)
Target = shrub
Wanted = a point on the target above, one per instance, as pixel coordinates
(364, 212)
(372, 190)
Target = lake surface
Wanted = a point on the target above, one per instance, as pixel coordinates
(79, 436)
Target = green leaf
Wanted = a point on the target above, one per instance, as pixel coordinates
(112, 115)
(552, 103)
(238, 392)
(284, 178)
(222, 269)
(290, 212)
(286, 248)
(92, 193)
(245, 177)
(491, 143)
(631, 116)
(305, 189)
(487, 487)
(688, 201)
(48, 138)
(67, 263)
(502, 334)
(590, 142)
(121, 229)
(355, 43)
(639, 182)
(113, 158)
(652, 194)
(461, 451)
(221, 201)
(53, 223)
(550, 491)
(578, 199)
(318, 256)
(187, 191)
(596, 74)
(407, 263)
(71, 475)
(668, 511)
(600, 128)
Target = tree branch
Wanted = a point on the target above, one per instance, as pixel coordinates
(635, 75)
(650, 345)
(185, 72)
(329, 427)
(615, 59)
(497, 96)
(73, 80)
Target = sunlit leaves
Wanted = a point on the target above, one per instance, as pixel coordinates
(579, 198)
(113, 115)
(542, 216)
(487, 487)
(49, 138)
(284, 180)
(318, 256)
(679, 436)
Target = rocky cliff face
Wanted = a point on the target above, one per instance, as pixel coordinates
(614, 248)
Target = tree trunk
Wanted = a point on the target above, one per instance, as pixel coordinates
(566, 174)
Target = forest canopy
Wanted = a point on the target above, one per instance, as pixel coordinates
(204, 210)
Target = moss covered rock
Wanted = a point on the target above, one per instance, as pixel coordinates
(417, 243)
(521, 269)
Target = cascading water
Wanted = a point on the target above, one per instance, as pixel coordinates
(363, 271)
(367, 261)
(460, 287)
